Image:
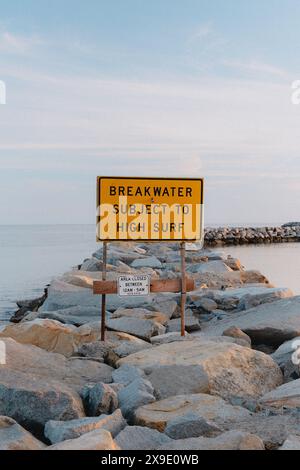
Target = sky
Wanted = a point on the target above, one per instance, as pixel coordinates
(200, 88)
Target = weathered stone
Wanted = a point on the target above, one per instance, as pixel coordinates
(149, 262)
(270, 295)
(234, 332)
(99, 439)
(209, 267)
(137, 393)
(214, 409)
(191, 425)
(32, 401)
(231, 440)
(272, 429)
(284, 353)
(99, 399)
(141, 313)
(140, 438)
(37, 386)
(143, 329)
(71, 316)
(291, 443)
(62, 295)
(271, 323)
(285, 396)
(206, 304)
(127, 374)
(191, 323)
(220, 368)
(57, 431)
(14, 437)
(50, 335)
(91, 264)
(170, 338)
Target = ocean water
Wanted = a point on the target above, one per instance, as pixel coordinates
(279, 262)
(31, 256)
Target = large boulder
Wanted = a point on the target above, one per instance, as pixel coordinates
(142, 313)
(272, 428)
(57, 431)
(191, 425)
(285, 396)
(219, 368)
(99, 399)
(291, 443)
(149, 262)
(231, 440)
(143, 329)
(50, 335)
(62, 295)
(76, 315)
(99, 439)
(37, 386)
(213, 409)
(137, 393)
(247, 296)
(32, 401)
(14, 437)
(140, 438)
(209, 267)
(271, 323)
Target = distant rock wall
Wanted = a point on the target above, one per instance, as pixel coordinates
(251, 235)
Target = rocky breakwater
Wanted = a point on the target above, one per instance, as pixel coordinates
(289, 232)
(230, 383)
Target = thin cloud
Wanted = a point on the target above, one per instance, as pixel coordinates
(256, 67)
(11, 43)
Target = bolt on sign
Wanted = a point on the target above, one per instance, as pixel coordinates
(149, 209)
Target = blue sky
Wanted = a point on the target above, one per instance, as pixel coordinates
(163, 88)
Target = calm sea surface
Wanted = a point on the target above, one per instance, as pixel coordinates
(32, 255)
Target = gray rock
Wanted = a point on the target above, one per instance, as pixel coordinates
(191, 323)
(32, 401)
(149, 262)
(99, 399)
(137, 393)
(206, 304)
(57, 431)
(284, 353)
(285, 396)
(62, 295)
(251, 373)
(209, 267)
(291, 443)
(76, 315)
(127, 374)
(213, 409)
(191, 425)
(234, 332)
(91, 264)
(143, 329)
(14, 437)
(170, 338)
(270, 324)
(231, 440)
(99, 439)
(140, 438)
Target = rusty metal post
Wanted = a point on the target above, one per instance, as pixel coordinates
(183, 288)
(103, 300)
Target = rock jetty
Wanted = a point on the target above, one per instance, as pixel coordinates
(289, 232)
(232, 382)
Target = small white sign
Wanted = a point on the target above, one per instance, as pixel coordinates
(134, 285)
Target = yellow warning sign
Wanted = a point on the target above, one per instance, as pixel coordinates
(149, 209)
